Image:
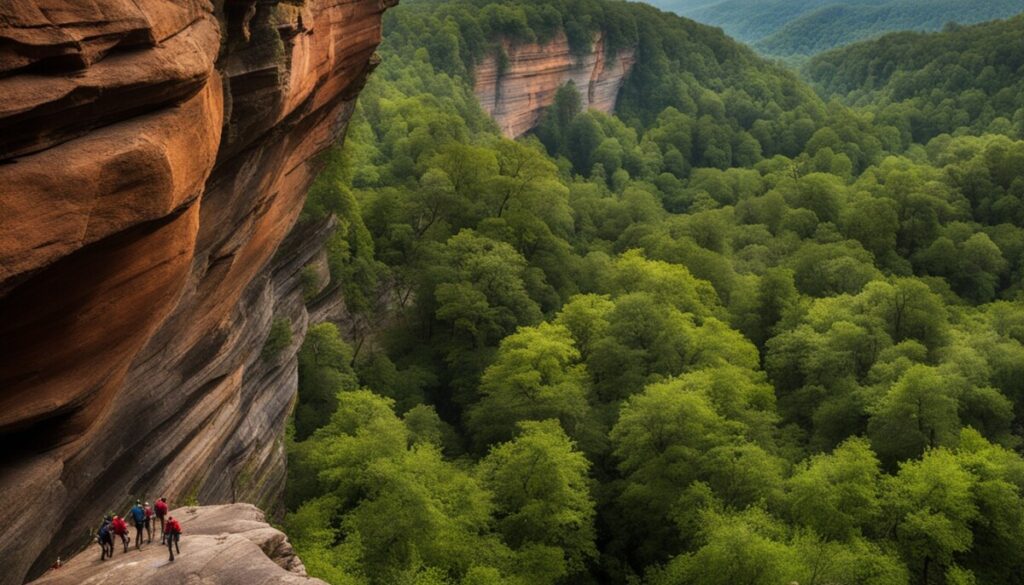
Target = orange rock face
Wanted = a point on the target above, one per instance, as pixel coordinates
(516, 94)
(154, 158)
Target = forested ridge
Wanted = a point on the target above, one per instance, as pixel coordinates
(731, 334)
(785, 28)
(840, 24)
(929, 84)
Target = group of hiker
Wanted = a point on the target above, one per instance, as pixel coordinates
(145, 519)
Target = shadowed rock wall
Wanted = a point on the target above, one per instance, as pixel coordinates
(154, 156)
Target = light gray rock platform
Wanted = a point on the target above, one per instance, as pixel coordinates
(221, 545)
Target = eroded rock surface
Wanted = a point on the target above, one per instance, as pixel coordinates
(516, 92)
(220, 545)
(154, 158)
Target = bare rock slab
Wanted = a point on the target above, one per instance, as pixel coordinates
(221, 545)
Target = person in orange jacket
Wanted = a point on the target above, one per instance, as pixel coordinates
(120, 528)
(172, 536)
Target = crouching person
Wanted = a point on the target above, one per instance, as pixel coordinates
(105, 537)
(172, 534)
(120, 528)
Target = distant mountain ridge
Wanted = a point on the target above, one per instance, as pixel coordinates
(786, 28)
(927, 84)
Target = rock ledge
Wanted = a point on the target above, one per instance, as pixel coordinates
(221, 545)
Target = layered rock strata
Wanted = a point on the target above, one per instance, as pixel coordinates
(516, 87)
(154, 156)
(220, 545)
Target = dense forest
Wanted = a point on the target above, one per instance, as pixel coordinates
(931, 84)
(732, 334)
(787, 28)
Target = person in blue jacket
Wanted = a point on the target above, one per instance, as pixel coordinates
(138, 514)
(105, 537)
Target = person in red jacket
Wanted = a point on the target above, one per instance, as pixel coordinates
(173, 535)
(149, 522)
(160, 508)
(120, 528)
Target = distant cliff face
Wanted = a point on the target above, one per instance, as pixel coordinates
(154, 156)
(516, 91)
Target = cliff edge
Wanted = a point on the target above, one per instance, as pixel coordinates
(220, 545)
(154, 158)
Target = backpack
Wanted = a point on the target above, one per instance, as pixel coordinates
(173, 527)
(104, 532)
(139, 514)
(161, 508)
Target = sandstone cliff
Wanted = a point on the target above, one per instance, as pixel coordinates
(153, 158)
(515, 91)
(220, 545)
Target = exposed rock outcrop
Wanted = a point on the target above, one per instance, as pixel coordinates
(516, 90)
(221, 545)
(153, 158)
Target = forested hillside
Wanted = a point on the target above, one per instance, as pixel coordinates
(929, 84)
(731, 334)
(840, 24)
(787, 28)
(749, 20)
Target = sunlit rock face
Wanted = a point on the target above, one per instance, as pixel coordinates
(154, 158)
(515, 91)
(220, 545)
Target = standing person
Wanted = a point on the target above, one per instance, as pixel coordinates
(120, 528)
(161, 510)
(149, 522)
(139, 517)
(173, 535)
(106, 539)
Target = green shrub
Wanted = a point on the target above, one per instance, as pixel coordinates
(279, 338)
